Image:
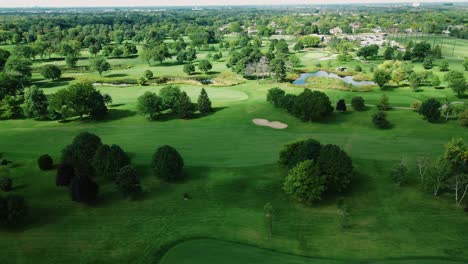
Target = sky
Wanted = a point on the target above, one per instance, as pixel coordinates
(130, 3)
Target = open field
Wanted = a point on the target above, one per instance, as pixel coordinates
(451, 47)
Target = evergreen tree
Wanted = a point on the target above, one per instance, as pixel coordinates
(341, 105)
(184, 107)
(204, 103)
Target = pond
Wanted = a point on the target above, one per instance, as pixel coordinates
(302, 80)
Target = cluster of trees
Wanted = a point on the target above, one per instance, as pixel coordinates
(172, 99)
(13, 207)
(308, 105)
(315, 170)
(126, 49)
(87, 158)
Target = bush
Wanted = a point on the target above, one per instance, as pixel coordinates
(287, 102)
(336, 166)
(167, 164)
(384, 104)
(305, 183)
(149, 104)
(312, 106)
(341, 105)
(148, 74)
(65, 173)
(6, 184)
(13, 210)
(357, 102)
(51, 72)
(415, 106)
(430, 109)
(297, 152)
(463, 118)
(358, 68)
(80, 153)
(109, 160)
(127, 181)
(83, 189)
(399, 173)
(379, 119)
(45, 162)
(275, 95)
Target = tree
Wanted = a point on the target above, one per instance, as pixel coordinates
(384, 104)
(430, 109)
(357, 102)
(421, 50)
(434, 80)
(305, 183)
(189, 68)
(427, 63)
(148, 74)
(127, 181)
(336, 166)
(298, 46)
(167, 164)
(294, 153)
(312, 106)
(13, 209)
(274, 96)
(437, 177)
(204, 103)
(381, 77)
(21, 67)
(368, 51)
(310, 41)
(83, 189)
(183, 106)
(278, 67)
(341, 105)
(399, 173)
(35, 103)
(45, 162)
(417, 79)
(169, 95)
(100, 65)
(10, 107)
(71, 61)
(465, 64)
(65, 173)
(79, 99)
(379, 119)
(4, 55)
(456, 155)
(444, 66)
(398, 75)
(149, 104)
(204, 66)
(388, 53)
(463, 117)
(6, 184)
(457, 82)
(80, 152)
(51, 71)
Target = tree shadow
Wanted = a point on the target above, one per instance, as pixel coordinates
(116, 105)
(167, 116)
(19, 187)
(52, 84)
(112, 115)
(116, 75)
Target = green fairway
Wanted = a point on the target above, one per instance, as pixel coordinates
(225, 252)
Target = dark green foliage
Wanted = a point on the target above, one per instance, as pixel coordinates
(100, 65)
(65, 173)
(45, 162)
(384, 103)
(341, 105)
(358, 68)
(299, 151)
(149, 104)
(51, 72)
(421, 50)
(83, 189)
(13, 210)
(35, 103)
(127, 181)
(6, 184)
(278, 67)
(336, 166)
(275, 95)
(312, 106)
(204, 103)
(205, 66)
(430, 109)
(457, 82)
(10, 107)
(107, 161)
(80, 153)
(379, 119)
(71, 60)
(427, 63)
(305, 183)
(167, 164)
(148, 74)
(184, 107)
(368, 51)
(4, 55)
(399, 173)
(357, 102)
(189, 68)
(388, 53)
(21, 68)
(9, 85)
(169, 95)
(287, 102)
(444, 66)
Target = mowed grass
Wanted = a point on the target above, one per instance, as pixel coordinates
(451, 46)
(232, 171)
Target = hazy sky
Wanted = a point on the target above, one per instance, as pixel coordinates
(77, 3)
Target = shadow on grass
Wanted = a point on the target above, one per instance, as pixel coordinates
(52, 84)
(116, 75)
(167, 116)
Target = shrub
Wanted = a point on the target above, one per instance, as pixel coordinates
(287, 102)
(341, 105)
(167, 164)
(379, 119)
(415, 106)
(45, 162)
(312, 106)
(127, 181)
(357, 102)
(6, 184)
(83, 189)
(430, 109)
(358, 68)
(297, 152)
(305, 183)
(149, 104)
(399, 173)
(384, 104)
(275, 95)
(336, 166)
(80, 153)
(51, 72)
(109, 160)
(148, 74)
(463, 118)
(65, 173)
(169, 95)
(13, 210)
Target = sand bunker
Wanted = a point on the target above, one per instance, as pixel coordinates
(265, 122)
